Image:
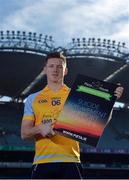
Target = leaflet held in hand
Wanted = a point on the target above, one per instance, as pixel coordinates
(86, 110)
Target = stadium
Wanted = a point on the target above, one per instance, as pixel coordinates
(22, 56)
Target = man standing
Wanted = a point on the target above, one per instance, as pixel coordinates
(56, 156)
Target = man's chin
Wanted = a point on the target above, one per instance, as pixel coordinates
(55, 80)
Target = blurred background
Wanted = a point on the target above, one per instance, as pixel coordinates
(94, 37)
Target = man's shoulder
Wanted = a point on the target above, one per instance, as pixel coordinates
(33, 95)
(66, 88)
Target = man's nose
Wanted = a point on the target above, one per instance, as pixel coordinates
(55, 68)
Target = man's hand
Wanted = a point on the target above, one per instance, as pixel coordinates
(119, 91)
(46, 129)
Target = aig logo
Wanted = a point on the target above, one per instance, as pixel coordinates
(56, 102)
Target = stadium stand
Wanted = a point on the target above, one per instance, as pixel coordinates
(111, 154)
(24, 54)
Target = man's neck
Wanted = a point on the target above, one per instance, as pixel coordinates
(55, 86)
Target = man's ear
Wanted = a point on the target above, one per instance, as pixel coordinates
(44, 70)
(66, 71)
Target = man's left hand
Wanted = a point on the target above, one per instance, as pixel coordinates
(118, 92)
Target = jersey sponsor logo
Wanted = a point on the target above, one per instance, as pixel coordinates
(45, 121)
(42, 101)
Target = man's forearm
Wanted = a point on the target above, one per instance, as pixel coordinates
(31, 132)
(40, 131)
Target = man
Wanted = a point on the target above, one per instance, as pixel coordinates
(55, 156)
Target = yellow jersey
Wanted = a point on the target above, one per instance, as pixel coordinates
(45, 106)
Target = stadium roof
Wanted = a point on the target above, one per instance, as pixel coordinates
(21, 68)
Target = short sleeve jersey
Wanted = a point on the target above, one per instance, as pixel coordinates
(45, 106)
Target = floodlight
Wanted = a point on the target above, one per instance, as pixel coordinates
(34, 34)
(13, 34)
(30, 37)
(78, 41)
(108, 41)
(45, 36)
(123, 44)
(84, 41)
(89, 39)
(50, 38)
(18, 34)
(73, 40)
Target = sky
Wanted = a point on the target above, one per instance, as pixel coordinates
(67, 19)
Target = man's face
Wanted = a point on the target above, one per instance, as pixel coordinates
(55, 70)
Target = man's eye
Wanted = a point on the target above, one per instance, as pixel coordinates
(60, 67)
(50, 66)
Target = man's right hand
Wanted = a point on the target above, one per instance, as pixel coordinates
(30, 131)
(46, 129)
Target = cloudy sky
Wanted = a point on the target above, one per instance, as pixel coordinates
(66, 19)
